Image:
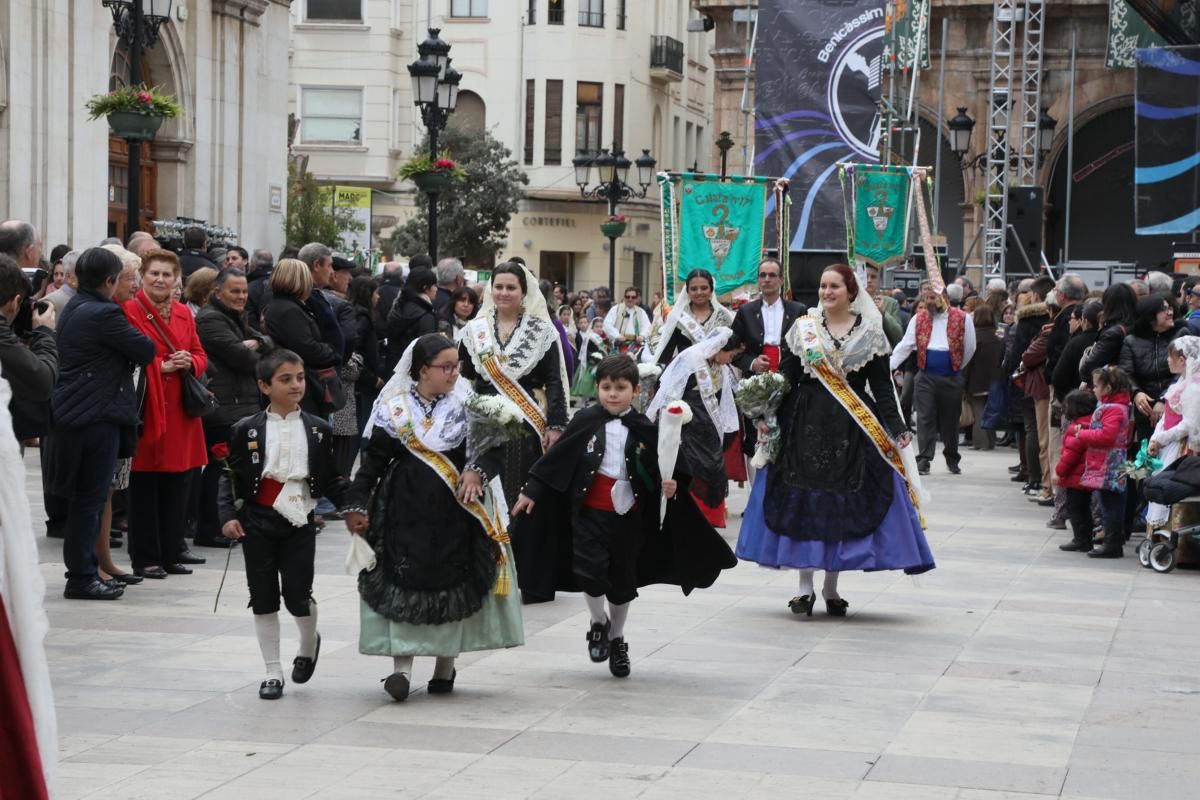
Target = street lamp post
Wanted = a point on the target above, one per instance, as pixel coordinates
(137, 23)
(613, 169)
(435, 92)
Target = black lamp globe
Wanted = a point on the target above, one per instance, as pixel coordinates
(424, 75)
(447, 97)
(960, 131)
(621, 166)
(605, 164)
(1046, 126)
(583, 169)
(436, 50)
(645, 167)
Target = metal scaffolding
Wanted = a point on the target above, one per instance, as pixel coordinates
(995, 202)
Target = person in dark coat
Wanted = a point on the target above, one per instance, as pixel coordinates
(1119, 305)
(29, 366)
(258, 287)
(982, 371)
(412, 317)
(591, 523)
(95, 410)
(233, 349)
(194, 254)
(1030, 318)
(1144, 359)
(292, 325)
(362, 297)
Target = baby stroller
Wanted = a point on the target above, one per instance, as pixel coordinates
(1158, 551)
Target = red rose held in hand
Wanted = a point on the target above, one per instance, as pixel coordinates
(220, 451)
(675, 410)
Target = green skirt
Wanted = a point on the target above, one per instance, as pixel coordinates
(496, 625)
(585, 382)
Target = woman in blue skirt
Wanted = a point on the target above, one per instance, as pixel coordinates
(838, 496)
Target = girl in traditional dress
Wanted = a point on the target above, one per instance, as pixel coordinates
(592, 347)
(512, 349)
(444, 579)
(701, 377)
(840, 495)
(1180, 420)
(690, 322)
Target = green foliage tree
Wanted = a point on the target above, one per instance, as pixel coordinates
(473, 214)
(310, 213)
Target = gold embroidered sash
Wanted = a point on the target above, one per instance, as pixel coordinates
(490, 356)
(835, 382)
(444, 468)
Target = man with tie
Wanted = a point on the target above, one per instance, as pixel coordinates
(761, 324)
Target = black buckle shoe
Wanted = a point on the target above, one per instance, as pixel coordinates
(618, 658)
(270, 689)
(96, 590)
(177, 569)
(836, 607)
(303, 666)
(1076, 547)
(397, 686)
(442, 685)
(803, 604)
(153, 573)
(188, 557)
(597, 639)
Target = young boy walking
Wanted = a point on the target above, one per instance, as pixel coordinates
(278, 461)
(588, 518)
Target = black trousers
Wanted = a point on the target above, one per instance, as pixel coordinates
(279, 560)
(1033, 461)
(1163, 488)
(606, 547)
(208, 526)
(157, 511)
(1079, 513)
(93, 477)
(57, 507)
(345, 450)
(938, 401)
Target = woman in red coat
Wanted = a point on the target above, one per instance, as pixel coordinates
(172, 443)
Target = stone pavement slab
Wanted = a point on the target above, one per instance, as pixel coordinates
(1012, 672)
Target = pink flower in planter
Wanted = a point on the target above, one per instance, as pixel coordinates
(444, 163)
(144, 97)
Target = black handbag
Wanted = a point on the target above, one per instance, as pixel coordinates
(198, 401)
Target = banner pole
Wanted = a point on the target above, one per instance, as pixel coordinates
(941, 114)
(1070, 153)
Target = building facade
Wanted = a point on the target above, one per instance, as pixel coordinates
(548, 78)
(224, 160)
(1101, 226)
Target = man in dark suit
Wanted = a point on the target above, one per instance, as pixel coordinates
(761, 324)
(194, 254)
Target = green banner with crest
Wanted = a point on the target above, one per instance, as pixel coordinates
(880, 214)
(721, 229)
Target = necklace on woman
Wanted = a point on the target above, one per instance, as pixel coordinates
(164, 309)
(426, 408)
(500, 337)
(838, 341)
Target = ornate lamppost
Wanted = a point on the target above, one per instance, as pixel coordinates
(613, 169)
(435, 92)
(137, 23)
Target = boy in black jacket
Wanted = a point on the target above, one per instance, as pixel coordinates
(588, 519)
(276, 463)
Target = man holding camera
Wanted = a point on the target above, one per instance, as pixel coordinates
(29, 367)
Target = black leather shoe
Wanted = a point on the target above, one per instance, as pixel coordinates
(1013, 470)
(96, 590)
(177, 569)
(1020, 477)
(442, 685)
(597, 638)
(204, 541)
(954, 469)
(1106, 553)
(188, 557)
(922, 468)
(303, 667)
(397, 686)
(153, 573)
(1076, 547)
(836, 607)
(803, 604)
(618, 658)
(125, 579)
(270, 689)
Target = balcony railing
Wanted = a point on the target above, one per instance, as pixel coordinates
(666, 53)
(554, 16)
(591, 19)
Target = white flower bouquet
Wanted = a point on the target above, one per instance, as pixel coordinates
(759, 397)
(492, 420)
(649, 371)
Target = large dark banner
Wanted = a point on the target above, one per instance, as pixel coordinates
(1167, 178)
(818, 69)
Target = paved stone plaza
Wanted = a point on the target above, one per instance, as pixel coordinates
(1012, 671)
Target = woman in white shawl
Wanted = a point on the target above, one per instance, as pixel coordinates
(701, 377)
(513, 349)
(442, 582)
(689, 322)
(1179, 424)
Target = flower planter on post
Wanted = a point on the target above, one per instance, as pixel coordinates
(613, 230)
(434, 182)
(130, 125)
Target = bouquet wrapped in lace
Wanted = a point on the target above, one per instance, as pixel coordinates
(492, 421)
(759, 397)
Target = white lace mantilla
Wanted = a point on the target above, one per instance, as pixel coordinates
(530, 342)
(865, 343)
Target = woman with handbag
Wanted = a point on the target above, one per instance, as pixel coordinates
(171, 443)
(291, 325)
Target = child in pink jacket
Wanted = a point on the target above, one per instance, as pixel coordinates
(1078, 408)
(1107, 440)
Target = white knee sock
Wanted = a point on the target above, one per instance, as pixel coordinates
(806, 582)
(443, 668)
(308, 631)
(829, 590)
(596, 608)
(402, 664)
(266, 628)
(618, 613)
